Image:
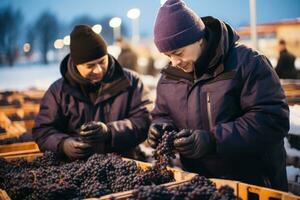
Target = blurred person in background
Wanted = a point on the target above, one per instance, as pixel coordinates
(286, 63)
(128, 57)
(224, 99)
(96, 107)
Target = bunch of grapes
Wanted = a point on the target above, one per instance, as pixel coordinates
(164, 151)
(151, 192)
(198, 188)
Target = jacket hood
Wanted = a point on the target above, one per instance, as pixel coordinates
(221, 37)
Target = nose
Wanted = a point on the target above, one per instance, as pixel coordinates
(97, 69)
(175, 61)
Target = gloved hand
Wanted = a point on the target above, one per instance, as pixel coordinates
(95, 132)
(73, 148)
(156, 131)
(194, 143)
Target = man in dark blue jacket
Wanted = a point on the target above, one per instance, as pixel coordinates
(224, 99)
(285, 67)
(97, 106)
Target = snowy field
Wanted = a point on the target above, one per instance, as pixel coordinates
(24, 77)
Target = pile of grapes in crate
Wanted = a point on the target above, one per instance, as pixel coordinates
(198, 188)
(48, 177)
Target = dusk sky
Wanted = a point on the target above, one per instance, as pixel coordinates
(235, 12)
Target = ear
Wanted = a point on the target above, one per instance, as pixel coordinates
(201, 41)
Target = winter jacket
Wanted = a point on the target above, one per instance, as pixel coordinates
(236, 95)
(122, 104)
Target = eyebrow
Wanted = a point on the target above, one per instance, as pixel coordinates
(96, 61)
(175, 51)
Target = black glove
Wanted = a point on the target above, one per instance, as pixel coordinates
(73, 148)
(194, 143)
(156, 131)
(95, 132)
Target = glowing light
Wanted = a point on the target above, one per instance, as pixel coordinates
(97, 28)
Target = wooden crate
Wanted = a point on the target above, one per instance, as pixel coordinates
(30, 108)
(9, 110)
(241, 190)
(4, 195)
(34, 94)
(14, 129)
(179, 175)
(292, 91)
(28, 156)
(18, 149)
(244, 190)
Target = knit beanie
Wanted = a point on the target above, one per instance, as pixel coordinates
(176, 26)
(86, 45)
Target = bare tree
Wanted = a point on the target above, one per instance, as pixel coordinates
(10, 25)
(47, 29)
(83, 19)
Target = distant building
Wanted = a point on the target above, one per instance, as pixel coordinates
(270, 33)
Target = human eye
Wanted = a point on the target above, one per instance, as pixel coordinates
(177, 53)
(90, 66)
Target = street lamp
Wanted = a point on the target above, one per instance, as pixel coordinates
(97, 28)
(26, 47)
(252, 5)
(134, 15)
(66, 40)
(115, 23)
(59, 44)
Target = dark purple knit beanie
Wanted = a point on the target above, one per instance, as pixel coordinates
(176, 26)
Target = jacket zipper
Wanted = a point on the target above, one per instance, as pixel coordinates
(208, 102)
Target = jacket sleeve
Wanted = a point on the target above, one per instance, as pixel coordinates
(160, 113)
(131, 131)
(48, 127)
(265, 119)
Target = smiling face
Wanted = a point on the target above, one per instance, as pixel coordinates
(185, 57)
(94, 70)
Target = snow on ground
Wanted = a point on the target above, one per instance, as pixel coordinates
(23, 77)
(292, 172)
(295, 119)
(290, 151)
